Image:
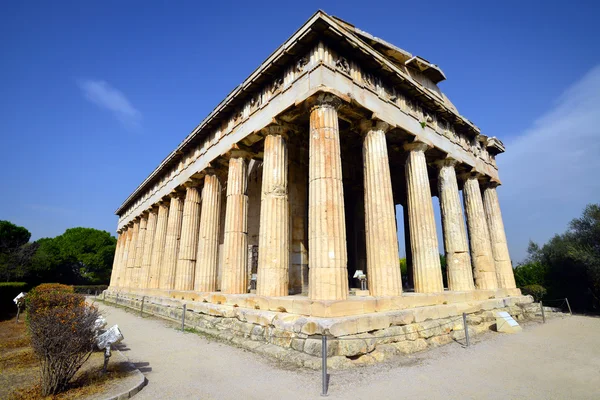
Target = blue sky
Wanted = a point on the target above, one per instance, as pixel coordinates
(93, 95)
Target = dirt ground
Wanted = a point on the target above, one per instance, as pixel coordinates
(20, 372)
(556, 360)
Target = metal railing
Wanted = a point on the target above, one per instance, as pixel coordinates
(325, 339)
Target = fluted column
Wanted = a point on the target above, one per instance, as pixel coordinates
(328, 259)
(427, 270)
(274, 233)
(115, 268)
(159, 244)
(208, 241)
(458, 261)
(504, 271)
(139, 251)
(383, 270)
(189, 238)
(148, 244)
(169, 262)
(484, 269)
(125, 257)
(129, 278)
(235, 246)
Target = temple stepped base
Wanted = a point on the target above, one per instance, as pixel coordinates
(352, 339)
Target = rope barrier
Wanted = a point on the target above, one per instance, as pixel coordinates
(329, 337)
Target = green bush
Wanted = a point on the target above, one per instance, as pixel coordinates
(537, 291)
(90, 289)
(8, 291)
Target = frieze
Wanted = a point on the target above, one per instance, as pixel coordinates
(326, 56)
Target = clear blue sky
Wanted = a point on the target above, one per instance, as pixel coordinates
(95, 94)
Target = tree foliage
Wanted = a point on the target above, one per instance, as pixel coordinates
(80, 255)
(569, 264)
(15, 251)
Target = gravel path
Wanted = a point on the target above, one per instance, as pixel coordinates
(558, 360)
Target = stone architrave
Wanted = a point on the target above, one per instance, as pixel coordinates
(328, 259)
(139, 251)
(484, 269)
(158, 247)
(504, 271)
(427, 271)
(208, 241)
(115, 268)
(188, 245)
(235, 247)
(274, 234)
(383, 270)
(129, 277)
(169, 262)
(148, 244)
(458, 261)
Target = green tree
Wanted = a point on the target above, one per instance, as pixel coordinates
(13, 238)
(568, 265)
(78, 256)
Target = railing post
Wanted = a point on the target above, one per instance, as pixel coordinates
(183, 318)
(543, 315)
(568, 305)
(324, 363)
(142, 306)
(466, 329)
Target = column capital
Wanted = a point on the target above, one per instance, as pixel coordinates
(273, 129)
(368, 125)
(491, 184)
(239, 151)
(324, 100)
(153, 208)
(177, 193)
(470, 175)
(446, 162)
(193, 182)
(416, 145)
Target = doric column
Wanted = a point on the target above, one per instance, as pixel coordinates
(274, 233)
(125, 257)
(188, 245)
(115, 268)
(208, 242)
(169, 261)
(484, 269)
(148, 244)
(158, 247)
(427, 270)
(235, 246)
(129, 278)
(328, 259)
(458, 261)
(139, 251)
(383, 271)
(504, 271)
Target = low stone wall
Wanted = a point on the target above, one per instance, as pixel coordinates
(352, 340)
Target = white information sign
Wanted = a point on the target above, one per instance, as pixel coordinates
(506, 323)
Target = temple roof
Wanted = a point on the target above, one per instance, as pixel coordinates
(398, 65)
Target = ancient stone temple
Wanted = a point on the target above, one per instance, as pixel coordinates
(291, 185)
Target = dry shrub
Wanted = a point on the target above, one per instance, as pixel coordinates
(61, 330)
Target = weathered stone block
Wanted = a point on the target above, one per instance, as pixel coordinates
(410, 346)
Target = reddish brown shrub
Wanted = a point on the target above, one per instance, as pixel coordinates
(61, 327)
